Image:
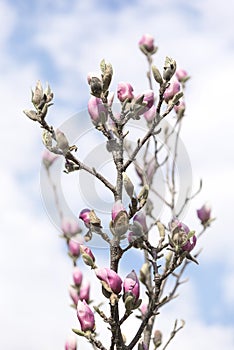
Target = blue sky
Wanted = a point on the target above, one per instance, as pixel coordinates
(60, 42)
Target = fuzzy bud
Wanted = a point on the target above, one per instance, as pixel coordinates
(169, 68)
(157, 339)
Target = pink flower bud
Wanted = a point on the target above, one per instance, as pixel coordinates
(71, 343)
(180, 233)
(74, 247)
(84, 291)
(131, 285)
(144, 309)
(77, 276)
(117, 207)
(97, 110)
(74, 295)
(141, 219)
(180, 108)
(48, 158)
(110, 279)
(204, 213)
(147, 41)
(87, 256)
(188, 246)
(181, 74)
(149, 98)
(84, 215)
(124, 91)
(150, 114)
(70, 227)
(85, 316)
(170, 92)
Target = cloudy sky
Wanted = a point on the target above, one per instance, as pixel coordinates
(59, 42)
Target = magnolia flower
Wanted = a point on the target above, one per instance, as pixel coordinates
(117, 207)
(131, 285)
(84, 215)
(147, 41)
(180, 108)
(87, 256)
(110, 279)
(97, 111)
(84, 291)
(74, 247)
(148, 98)
(74, 295)
(150, 114)
(77, 276)
(85, 316)
(70, 227)
(181, 75)
(71, 343)
(172, 90)
(124, 91)
(48, 158)
(144, 309)
(141, 219)
(204, 213)
(182, 236)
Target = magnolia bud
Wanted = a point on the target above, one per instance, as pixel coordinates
(96, 86)
(204, 213)
(84, 215)
(150, 114)
(74, 295)
(110, 280)
(85, 316)
(169, 68)
(129, 188)
(182, 75)
(48, 158)
(172, 90)
(84, 291)
(87, 256)
(77, 276)
(157, 75)
(71, 343)
(74, 248)
(146, 44)
(131, 288)
(97, 111)
(62, 142)
(124, 91)
(70, 227)
(157, 339)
